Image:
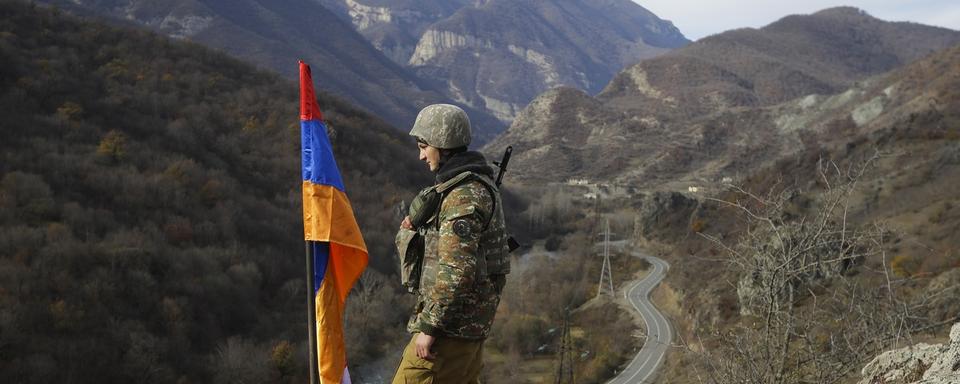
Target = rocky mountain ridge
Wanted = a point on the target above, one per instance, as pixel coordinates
(822, 53)
(498, 55)
(394, 26)
(657, 124)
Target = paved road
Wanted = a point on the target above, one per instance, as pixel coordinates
(644, 365)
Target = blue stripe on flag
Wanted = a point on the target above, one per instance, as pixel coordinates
(319, 166)
(321, 255)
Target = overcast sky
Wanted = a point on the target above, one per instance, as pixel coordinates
(699, 18)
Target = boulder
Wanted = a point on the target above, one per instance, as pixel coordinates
(917, 364)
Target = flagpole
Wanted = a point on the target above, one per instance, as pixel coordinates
(311, 314)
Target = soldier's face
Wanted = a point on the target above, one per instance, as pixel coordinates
(430, 155)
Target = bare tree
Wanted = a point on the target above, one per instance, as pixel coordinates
(805, 317)
(240, 361)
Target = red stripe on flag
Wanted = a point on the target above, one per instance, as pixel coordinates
(309, 109)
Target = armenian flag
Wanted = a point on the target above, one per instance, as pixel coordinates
(335, 247)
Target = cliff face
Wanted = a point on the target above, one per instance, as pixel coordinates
(393, 26)
(498, 55)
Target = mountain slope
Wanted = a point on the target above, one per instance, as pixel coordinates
(502, 53)
(695, 114)
(498, 55)
(274, 35)
(902, 129)
(822, 53)
(394, 26)
(150, 208)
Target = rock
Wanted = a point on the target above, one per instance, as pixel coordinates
(768, 252)
(947, 365)
(918, 364)
(659, 208)
(900, 365)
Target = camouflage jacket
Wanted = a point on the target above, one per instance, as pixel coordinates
(459, 289)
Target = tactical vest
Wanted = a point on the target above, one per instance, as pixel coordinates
(493, 252)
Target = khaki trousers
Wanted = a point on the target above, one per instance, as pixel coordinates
(457, 362)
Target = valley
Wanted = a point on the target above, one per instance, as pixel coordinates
(797, 180)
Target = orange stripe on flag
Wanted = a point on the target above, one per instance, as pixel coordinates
(324, 205)
(328, 217)
(330, 344)
(345, 265)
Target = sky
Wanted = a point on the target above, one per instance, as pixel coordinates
(699, 18)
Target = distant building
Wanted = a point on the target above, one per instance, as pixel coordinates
(578, 182)
(693, 189)
(590, 196)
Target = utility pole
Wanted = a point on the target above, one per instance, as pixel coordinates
(605, 271)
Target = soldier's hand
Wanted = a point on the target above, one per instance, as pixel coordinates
(423, 344)
(406, 223)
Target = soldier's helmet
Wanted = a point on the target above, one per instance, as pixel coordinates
(442, 126)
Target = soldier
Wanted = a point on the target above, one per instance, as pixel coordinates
(454, 254)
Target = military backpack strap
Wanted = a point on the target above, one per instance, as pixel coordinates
(492, 188)
(444, 188)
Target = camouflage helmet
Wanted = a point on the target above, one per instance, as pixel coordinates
(442, 126)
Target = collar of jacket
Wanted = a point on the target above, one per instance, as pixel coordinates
(470, 161)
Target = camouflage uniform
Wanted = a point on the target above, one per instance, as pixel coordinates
(464, 261)
(458, 294)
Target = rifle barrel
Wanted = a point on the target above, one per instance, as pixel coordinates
(503, 163)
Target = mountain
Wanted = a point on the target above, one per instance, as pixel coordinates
(497, 55)
(822, 53)
(716, 108)
(150, 209)
(394, 26)
(893, 138)
(907, 120)
(274, 35)
(882, 157)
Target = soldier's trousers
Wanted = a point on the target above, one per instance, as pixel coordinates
(457, 362)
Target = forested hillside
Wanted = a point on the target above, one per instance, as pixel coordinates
(150, 207)
(270, 33)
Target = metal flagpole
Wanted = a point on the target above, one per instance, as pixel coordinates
(312, 315)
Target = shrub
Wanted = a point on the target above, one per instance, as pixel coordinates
(698, 225)
(904, 265)
(113, 146)
(281, 359)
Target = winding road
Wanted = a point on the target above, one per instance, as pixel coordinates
(643, 367)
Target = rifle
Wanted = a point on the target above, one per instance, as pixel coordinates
(502, 164)
(512, 243)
